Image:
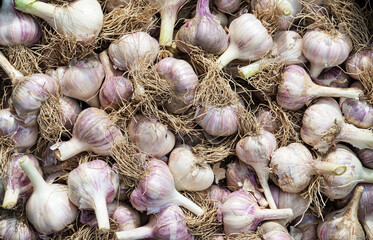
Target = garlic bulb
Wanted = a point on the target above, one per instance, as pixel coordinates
(82, 19)
(218, 121)
(183, 81)
(366, 157)
(241, 213)
(228, 6)
(273, 231)
(190, 172)
(359, 64)
(70, 110)
(294, 167)
(333, 77)
(202, 31)
(16, 182)
(23, 136)
(357, 112)
(217, 195)
(82, 80)
(93, 185)
(116, 87)
(151, 136)
(307, 225)
(93, 131)
(267, 120)
(337, 187)
(248, 40)
(324, 49)
(287, 48)
(13, 229)
(157, 191)
(323, 126)
(29, 94)
(343, 223)
(220, 17)
(256, 151)
(365, 209)
(169, 223)
(50, 198)
(133, 50)
(17, 28)
(297, 89)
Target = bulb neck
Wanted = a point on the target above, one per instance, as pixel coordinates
(40, 9)
(68, 149)
(263, 176)
(168, 19)
(101, 212)
(14, 75)
(357, 137)
(203, 8)
(7, 6)
(327, 168)
(228, 56)
(33, 174)
(144, 232)
(10, 198)
(185, 202)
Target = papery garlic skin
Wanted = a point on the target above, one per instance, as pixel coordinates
(16, 182)
(50, 198)
(267, 120)
(218, 121)
(70, 110)
(125, 216)
(183, 81)
(248, 40)
(82, 19)
(151, 136)
(82, 80)
(132, 51)
(92, 186)
(307, 224)
(333, 77)
(274, 231)
(30, 93)
(359, 64)
(228, 6)
(93, 131)
(325, 50)
(157, 191)
(14, 229)
(23, 136)
(17, 28)
(189, 172)
(366, 157)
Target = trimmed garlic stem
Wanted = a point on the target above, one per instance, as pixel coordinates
(263, 177)
(203, 8)
(101, 213)
(10, 198)
(328, 168)
(185, 202)
(168, 19)
(37, 8)
(360, 138)
(366, 175)
(353, 204)
(274, 214)
(8, 68)
(253, 68)
(33, 174)
(143, 232)
(105, 61)
(66, 150)
(334, 92)
(229, 55)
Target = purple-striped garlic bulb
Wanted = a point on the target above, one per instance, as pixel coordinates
(203, 31)
(227, 6)
(16, 183)
(337, 187)
(50, 198)
(357, 112)
(23, 136)
(256, 151)
(325, 49)
(248, 40)
(294, 201)
(333, 77)
(190, 171)
(169, 223)
(30, 93)
(366, 209)
(297, 89)
(13, 228)
(93, 185)
(343, 223)
(17, 28)
(157, 190)
(82, 80)
(294, 167)
(359, 65)
(241, 213)
(218, 121)
(133, 50)
(69, 111)
(182, 80)
(267, 120)
(151, 136)
(273, 231)
(307, 225)
(323, 126)
(217, 195)
(239, 176)
(366, 157)
(93, 131)
(287, 48)
(116, 87)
